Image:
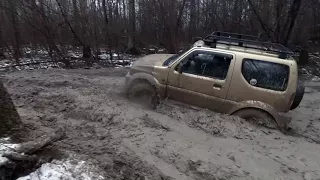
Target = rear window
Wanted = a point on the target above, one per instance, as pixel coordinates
(266, 75)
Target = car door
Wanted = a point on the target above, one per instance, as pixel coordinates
(205, 79)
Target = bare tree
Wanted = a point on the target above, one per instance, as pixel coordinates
(12, 14)
(192, 22)
(132, 28)
(129, 24)
(1, 41)
(107, 28)
(291, 20)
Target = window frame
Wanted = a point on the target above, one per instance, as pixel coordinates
(274, 63)
(198, 51)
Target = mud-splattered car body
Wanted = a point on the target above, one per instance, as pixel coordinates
(252, 80)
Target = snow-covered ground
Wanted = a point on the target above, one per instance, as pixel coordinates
(71, 168)
(5, 147)
(44, 62)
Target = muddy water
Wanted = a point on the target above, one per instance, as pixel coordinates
(174, 142)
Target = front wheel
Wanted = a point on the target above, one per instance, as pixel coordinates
(145, 94)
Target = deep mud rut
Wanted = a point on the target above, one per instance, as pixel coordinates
(176, 141)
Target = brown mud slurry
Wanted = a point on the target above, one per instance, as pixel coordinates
(176, 141)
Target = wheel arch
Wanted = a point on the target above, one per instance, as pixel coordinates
(256, 105)
(253, 108)
(144, 77)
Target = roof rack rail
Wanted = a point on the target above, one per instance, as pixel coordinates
(246, 41)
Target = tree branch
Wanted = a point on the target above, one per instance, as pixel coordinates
(264, 26)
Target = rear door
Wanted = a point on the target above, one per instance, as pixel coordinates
(204, 81)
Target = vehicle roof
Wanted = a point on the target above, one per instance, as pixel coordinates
(243, 51)
(244, 42)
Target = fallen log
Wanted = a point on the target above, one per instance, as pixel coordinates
(27, 150)
(34, 146)
(13, 156)
(24, 157)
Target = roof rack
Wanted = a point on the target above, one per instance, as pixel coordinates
(246, 41)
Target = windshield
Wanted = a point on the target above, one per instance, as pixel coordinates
(170, 60)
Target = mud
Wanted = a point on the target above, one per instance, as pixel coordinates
(176, 141)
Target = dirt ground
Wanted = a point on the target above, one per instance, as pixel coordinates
(177, 141)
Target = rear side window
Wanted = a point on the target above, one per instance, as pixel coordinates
(266, 75)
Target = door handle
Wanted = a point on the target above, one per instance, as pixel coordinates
(217, 86)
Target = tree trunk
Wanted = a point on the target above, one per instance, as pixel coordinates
(236, 15)
(86, 51)
(303, 57)
(263, 24)
(1, 45)
(279, 5)
(192, 20)
(106, 20)
(124, 9)
(76, 18)
(132, 28)
(1, 36)
(9, 117)
(292, 17)
(16, 29)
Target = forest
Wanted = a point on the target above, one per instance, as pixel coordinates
(135, 26)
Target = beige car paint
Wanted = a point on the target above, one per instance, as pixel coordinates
(153, 60)
(197, 90)
(224, 96)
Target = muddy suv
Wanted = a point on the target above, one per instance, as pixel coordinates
(228, 73)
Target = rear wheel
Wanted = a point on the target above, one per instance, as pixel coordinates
(299, 95)
(144, 93)
(257, 116)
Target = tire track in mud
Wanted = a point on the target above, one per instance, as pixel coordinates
(175, 142)
(89, 129)
(86, 132)
(306, 118)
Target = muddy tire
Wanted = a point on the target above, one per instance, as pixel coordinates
(257, 116)
(144, 93)
(299, 95)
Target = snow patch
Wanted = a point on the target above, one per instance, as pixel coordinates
(104, 56)
(316, 78)
(6, 147)
(161, 50)
(73, 55)
(5, 139)
(107, 56)
(70, 169)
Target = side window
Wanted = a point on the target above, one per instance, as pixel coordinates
(266, 75)
(207, 64)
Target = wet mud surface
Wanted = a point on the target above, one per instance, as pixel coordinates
(176, 141)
